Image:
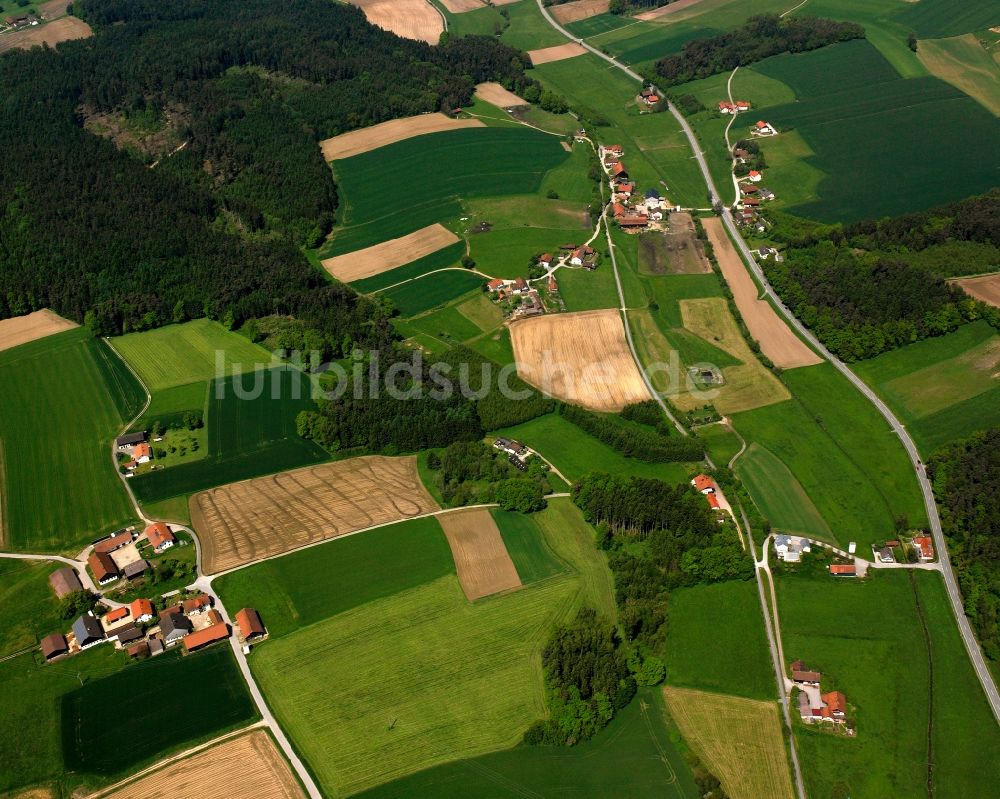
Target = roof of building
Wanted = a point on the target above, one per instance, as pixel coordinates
(87, 628)
(203, 637)
(703, 482)
(925, 545)
(197, 603)
(65, 581)
(116, 615)
(762, 124)
(140, 649)
(128, 634)
(103, 567)
(172, 622)
(835, 701)
(117, 541)
(159, 533)
(545, 257)
(634, 221)
(618, 168)
(249, 622)
(496, 283)
(618, 209)
(753, 173)
(135, 568)
(713, 501)
(54, 644)
(214, 616)
(798, 665)
(843, 568)
(130, 439)
(805, 676)
(155, 646)
(140, 608)
(142, 450)
(172, 609)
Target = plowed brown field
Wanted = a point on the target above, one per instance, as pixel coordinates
(581, 358)
(247, 767)
(498, 95)
(557, 53)
(389, 254)
(776, 339)
(461, 6)
(371, 138)
(579, 9)
(255, 519)
(985, 288)
(481, 558)
(22, 329)
(411, 19)
(52, 33)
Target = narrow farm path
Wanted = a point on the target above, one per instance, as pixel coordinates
(729, 145)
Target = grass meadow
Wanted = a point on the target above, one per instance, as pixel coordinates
(59, 412)
(431, 291)
(215, 699)
(637, 755)
(181, 354)
(29, 609)
(527, 547)
(716, 642)
(964, 62)
(867, 639)
(720, 441)
(445, 257)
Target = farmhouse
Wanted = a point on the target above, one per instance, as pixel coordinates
(804, 676)
(496, 284)
(87, 631)
(104, 569)
(790, 549)
(160, 537)
(174, 627)
(582, 256)
(65, 581)
(127, 634)
(520, 286)
(844, 569)
(615, 149)
(763, 128)
(54, 646)
(545, 260)
(142, 453)
(884, 555)
(199, 604)
(766, 194)
(251, 627)
(634, 223)
(129, 440)
(141, 610)
(748, 189)
(120, 539)
(203, 638)
(727, 107)
(754, 176)
(924, 547)
(618, 171)
(704, 484)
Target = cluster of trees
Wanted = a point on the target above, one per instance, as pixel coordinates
(658, 537)
(760, 37)
(756, 160)
(471, 472)
(634, 441)
(76, 604)
(966, 479)
(588, 679)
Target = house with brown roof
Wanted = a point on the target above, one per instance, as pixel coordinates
(199, 604)
(250, 625)
(804, 676)
(704, 484)
(104, 569)
(65, 581)
(202, 638)
(114, 542)
(160, 537)
(924, 546)
(140, 649)
(54, 646)
(136, 568)
(117, 614)
(618, 170)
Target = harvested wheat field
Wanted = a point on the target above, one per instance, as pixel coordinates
(582, 358)
(461, 6)
(481, 558)
(389, 254)
(558, 53)
(22, 329)
(579, 9)
(246, 767)
(777, 341)
(254, 519)
(363, 140)
(662, 11)
(52, 33)
(985, 288)
(411, 19)
(739, 740)
(498, 95)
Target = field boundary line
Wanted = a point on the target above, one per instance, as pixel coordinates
(3, 497)
(795, 8)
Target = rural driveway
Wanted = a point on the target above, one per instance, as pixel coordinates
(951, 584)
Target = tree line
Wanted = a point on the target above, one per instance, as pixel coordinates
(634, 441)
(475, 473)
(760, 37)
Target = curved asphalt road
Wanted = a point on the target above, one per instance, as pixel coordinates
(951, 584)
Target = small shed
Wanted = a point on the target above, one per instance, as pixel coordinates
(54, 645)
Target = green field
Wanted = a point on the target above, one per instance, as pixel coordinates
(518, 159)
(943, 18)
(943, 388)
(151, 723)
(964, 62)
(428, 292)
(479, 22)
(246, 437)
(29, 609)
(528, 29)
(59, 411)
(575, 453)
(311, 585)
(169, 405)
(178, 354)
(779, 495)
(716, 641)
(445, 257)
(526, 545)
(636, 756)
(867, 640)
(721, 443)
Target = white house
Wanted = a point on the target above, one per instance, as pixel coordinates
(790, 549)
(754, 176)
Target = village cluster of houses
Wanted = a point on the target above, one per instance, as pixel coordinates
(143, 632)
(922, 546)
(138, 448)
(20, 23)
(630, 215)
(118, 555)
(648, 98)
(816, 707)
(517, 453)
(736, 107)
(529, 299)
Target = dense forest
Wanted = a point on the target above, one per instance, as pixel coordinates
(760, 37)
(632, 439)
(248, 87)
(966, 479)
(621, 6)
(658, 537)
(876, 285)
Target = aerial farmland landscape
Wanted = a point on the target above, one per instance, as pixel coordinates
(500, 398)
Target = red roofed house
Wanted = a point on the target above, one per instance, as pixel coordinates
(141, 610)
(103, 567)
(704, 483)
(545, 259)
(496, 284)
(836, 704)
(200, 604)
(618, 170)
(625, 189)
(116, 615)
(616, 149)
(844, 569)
(748, 189)
(553, 286)
(925, 547)
(167, 611)
(248, 620)
(763, 128)
(713, 501)
(754, 175)
(160, 537)
(117, 541)
(578, 255)
(213, 616)
(750, 202)
(726, 107)
(216, 632)
(618, 210)
(142, 453)
(742, 105)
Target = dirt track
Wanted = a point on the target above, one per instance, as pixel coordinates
(498, 95)
(558, 53)
(22, 329)
(52, 33)
(256, 519)
(247, 767)
(411, 19)
(777, 341)
(481, 558)
(365, 139)
(579, 9)
(389, 254)
(581, 358)
(984, 287)
(662, 11)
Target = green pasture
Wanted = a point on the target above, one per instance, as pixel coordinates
(215, 699)
(507, 253)
(424, 293)
(780, 497)
(526, 546)
(251, 432)
(528, 29)
(964, 62)
(716, 642)
(931, 18)
(179, 354)
(485, 21)
(478, 162)
(59, 412)
(29, 609)
(598, 24)
(445, 257)
(867, 640)
(575, 453)
(587, 291)
(957, 421)
(169, 405)
(637, 755)
(447, 324)
(721, 443)
(311, 585)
